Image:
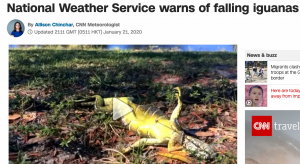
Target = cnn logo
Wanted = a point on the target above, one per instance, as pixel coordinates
(261, 125)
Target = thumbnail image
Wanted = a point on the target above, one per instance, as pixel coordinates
(256, 96)
(282, 146)
(123, 103)
(256, 71)
(15, 28)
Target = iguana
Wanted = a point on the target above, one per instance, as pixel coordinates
(154, 127)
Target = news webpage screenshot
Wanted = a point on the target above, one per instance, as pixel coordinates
(171, 82)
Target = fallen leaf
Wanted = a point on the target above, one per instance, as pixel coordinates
(97, 142)
(220, 110)
(34, 154)
(214, 105)
(82, 118)
(13, 156)
(204, 134)
(179, 155)
(184, 120)
(113, 139)
(128, 139)
(40, 113)
(215, 130)
(29, 116)
(13, 117)
(195, 126)
(64, 130)
(162, 159)
(195, 114)
(11, 96)
(130, 133)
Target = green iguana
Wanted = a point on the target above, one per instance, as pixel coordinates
(154, 127)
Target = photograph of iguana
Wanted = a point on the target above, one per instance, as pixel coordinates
(178, 104)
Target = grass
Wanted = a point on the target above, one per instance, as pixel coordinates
(61, 71)
(21, 159)
(48, 79)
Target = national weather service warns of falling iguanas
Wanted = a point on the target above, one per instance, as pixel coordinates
(154, 127)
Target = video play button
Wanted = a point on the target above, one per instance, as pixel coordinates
(248, 102)
(120, 108)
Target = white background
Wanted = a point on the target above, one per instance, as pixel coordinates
(269, 31)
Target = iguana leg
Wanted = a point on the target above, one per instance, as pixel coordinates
(173, 147)
(102, 104)
(175, 113)
(90, 101)
(106, 104)
(97, 101)
(175, 142)
(146, 142)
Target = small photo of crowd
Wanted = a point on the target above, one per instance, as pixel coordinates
(256, 96)
(256, 71)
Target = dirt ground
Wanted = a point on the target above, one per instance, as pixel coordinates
(256, 79)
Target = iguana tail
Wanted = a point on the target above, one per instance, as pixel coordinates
(198, 148)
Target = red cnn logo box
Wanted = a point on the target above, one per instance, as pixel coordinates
(261, 125)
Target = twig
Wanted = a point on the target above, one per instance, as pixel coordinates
(107, 160)
(127, 160)
(230, 129)
(113, 130)
(29, 107)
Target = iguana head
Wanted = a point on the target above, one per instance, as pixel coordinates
(198, 148)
